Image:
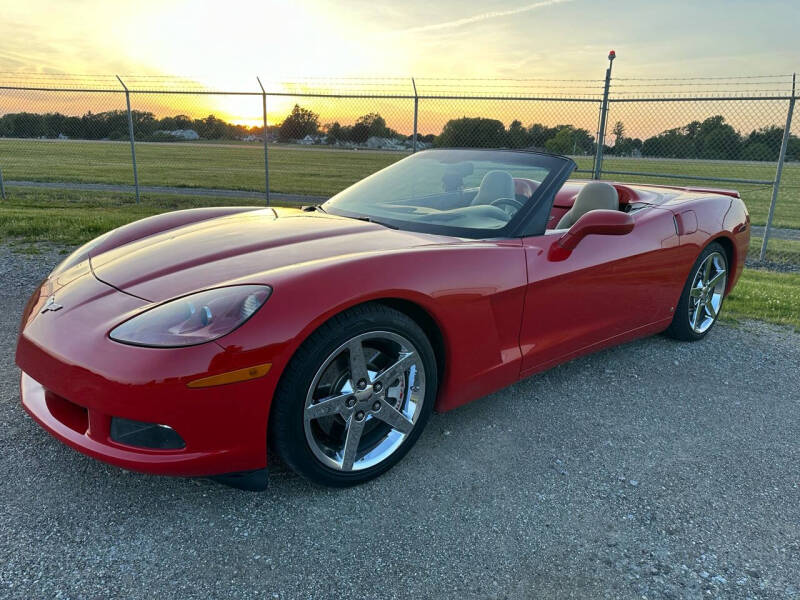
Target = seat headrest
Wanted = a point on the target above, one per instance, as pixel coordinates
(593, 196)
(495, 184)
(597, 194)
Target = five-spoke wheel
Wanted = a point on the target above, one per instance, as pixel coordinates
(707, 291)
(364, 400)
(355, 397)
(701, 300)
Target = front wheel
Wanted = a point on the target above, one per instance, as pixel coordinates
(355, 397)
(702, 296)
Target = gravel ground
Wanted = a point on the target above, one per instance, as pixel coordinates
(656, 469)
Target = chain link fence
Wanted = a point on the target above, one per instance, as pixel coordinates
(312, 138)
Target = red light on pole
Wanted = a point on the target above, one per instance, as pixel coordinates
(612, 55)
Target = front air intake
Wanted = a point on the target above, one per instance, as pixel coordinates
(145, 435)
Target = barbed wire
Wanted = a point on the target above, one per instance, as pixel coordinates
(701, 77)
(402, 87)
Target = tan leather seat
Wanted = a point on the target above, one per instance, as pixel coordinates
(593, 196)
(494, 185)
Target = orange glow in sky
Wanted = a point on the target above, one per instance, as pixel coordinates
(225, 45)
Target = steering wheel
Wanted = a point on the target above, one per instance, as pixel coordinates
(509, 205)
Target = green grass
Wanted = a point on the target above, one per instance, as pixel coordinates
(779, 251)
(71, 217)
(765, 296)
(323, 172)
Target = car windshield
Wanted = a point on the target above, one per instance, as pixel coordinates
(473, 193)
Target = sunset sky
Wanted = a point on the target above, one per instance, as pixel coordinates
(226, 44)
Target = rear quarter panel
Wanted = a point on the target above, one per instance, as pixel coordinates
(702, 220)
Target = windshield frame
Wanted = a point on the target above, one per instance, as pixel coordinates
(521, 224)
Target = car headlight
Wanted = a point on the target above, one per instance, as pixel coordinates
(193, 319)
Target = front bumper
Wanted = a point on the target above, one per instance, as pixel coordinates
(67, 360)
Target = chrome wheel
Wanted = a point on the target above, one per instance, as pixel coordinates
(706, 293)
(364, 401)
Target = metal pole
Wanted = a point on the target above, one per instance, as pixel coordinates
(601, 133)
(2, 188)
(266, 152)
(130, 134)
(416, 114)
(779, 171)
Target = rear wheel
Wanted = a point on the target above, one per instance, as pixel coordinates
(355, 397)
(702, 296)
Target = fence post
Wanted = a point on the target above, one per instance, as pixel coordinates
(779, 171)
(266, 152)
(2, 187)
(416, 114)
(601, 133)
(130, 134)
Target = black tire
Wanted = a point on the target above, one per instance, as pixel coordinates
(681, 326)
(286, 428)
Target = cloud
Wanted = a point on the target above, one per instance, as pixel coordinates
(484, 16)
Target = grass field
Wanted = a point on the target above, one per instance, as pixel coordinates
(779, 251)
(766, 296)
(323, 172)
(69, 218)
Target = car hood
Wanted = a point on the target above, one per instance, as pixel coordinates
(239, 248)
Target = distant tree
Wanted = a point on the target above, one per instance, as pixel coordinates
(517, 135)
(359, 133)
(618, 132)
(375, 124)
(793, 149)
(562, 143)
(182, 122)
(538, 134)
(717, 139)
(758, 151)
(28, 125)
(712, 138)
(672, 143)
(300, 123)
(333, 131)
(570, 140)
(144, 123)
(763, 144)
(472, 132)
(627, 146)
(211, 128)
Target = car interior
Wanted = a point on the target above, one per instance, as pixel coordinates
(500, 195)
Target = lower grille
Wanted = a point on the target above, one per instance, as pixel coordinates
(145, 435)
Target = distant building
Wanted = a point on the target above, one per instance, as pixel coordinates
(183, 134)
(375, 143)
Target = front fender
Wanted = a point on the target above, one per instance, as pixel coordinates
(473, 292)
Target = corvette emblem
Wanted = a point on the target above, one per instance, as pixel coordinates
(50, 305)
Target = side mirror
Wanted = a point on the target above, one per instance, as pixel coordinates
(594, 222)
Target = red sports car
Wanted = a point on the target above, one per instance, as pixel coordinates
(199, 342)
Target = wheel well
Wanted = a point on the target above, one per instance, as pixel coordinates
(730, 255)
(425, 321)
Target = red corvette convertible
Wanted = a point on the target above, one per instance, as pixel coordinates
(197, 343)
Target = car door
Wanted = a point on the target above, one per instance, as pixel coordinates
(608, 285)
